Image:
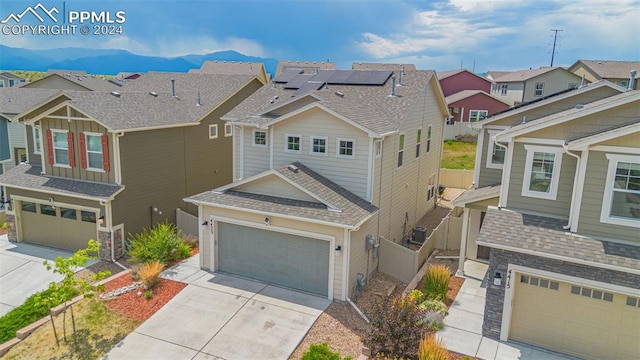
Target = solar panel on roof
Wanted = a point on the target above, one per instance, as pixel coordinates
(358, 76)
(378, 77)
(298, 81)
(322, 76)
(286, 76)
(339, 76)
(310, 86)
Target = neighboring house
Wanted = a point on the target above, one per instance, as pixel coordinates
(324, 166)
(454, 81)
(73, 80)
(106, 164)
(618, 72)
(256, 69)
(303, 67)
(522, 86)
(8, 79)
(562, 237)
(473, 106)
(379, 66)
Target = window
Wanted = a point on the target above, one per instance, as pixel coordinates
(11, 82)
(88, 216)
(400, 150)
(419, 135)
(228, 130)
(495, 154)
(539, 282)
(213, 131)
(60, 148)
(539, 91)
(503, 89)
(93, 143)
(621, 201)
(632, 301)
(477, 115)
(346, 148)
(2, 84)
(28, 206)
(428, 138)
(259, 138)
(319, 145)
(67, 213)
(46, 209)
(377, 148)
(591, 293)
(542, 172)
(431, 188)
(37, 140)
(292, 143)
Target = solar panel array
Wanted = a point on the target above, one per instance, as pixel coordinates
(307, 82)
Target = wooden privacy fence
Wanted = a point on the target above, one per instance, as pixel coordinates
(187, 223)
(403, 263)
(455, 178)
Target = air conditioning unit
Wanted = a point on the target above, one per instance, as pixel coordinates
(419, 235)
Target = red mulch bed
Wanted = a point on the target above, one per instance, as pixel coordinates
(455, 283)
(137, 307)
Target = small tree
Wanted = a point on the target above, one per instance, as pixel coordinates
(70, 286)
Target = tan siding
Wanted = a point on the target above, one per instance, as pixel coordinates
(592, 195)
(274, 186)
(560, 206)
(487, 175)
(348, 173)
(554, 81)
(361, 261)
(631, 140)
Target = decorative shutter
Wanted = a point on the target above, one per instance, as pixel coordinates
(105, 153)
(50, 146)
(83, 150)
(72, 149)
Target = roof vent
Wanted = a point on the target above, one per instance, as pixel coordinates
(115, 93)
(154, 94)
(579, 106)
(173, 88)
(198, 103)
(339, 93)
(524, 120)
(293, 168)
(393, 87)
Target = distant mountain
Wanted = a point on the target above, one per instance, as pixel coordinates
(111, 62)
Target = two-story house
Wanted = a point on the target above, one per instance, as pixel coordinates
(522, 86)
(564, 267)
(8, 79)
(618, 72)
(325, 165)
(105, 164)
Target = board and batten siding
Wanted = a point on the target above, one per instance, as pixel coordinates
(350, 173)
(592, 197)
(361, 260)
(558, 207)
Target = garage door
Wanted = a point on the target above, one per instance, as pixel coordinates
(283, 259)
(586, 322)
(57, 227)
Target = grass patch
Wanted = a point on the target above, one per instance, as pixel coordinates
(98, 330)
(458, 155)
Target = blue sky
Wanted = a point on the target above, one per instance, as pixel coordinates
(495, 34)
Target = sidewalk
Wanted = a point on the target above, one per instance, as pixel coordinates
(463, 326)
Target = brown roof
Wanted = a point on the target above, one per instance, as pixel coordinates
(523, 75)
(14, 101)
(610, 69)
(310, 67)
(230, 68)
(381, 66)
(89, 82)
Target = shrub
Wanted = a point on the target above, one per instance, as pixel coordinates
(191, 240)
(149, 274)
(162, 243)
(436, 282)
(5, 226)
(322, 352)
(396, 328)
(434, 321)
(148, 294)
(432, 349)
(417, 295)
(435, 306)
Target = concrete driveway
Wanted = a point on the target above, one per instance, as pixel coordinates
(22, 273)
(219, 316)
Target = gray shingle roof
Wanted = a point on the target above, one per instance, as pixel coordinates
(522, 75)
(523, 232)
(611, 69)
(352, 210)
(29, 177)
(230, 68)
(90, 82)
(382, 66)
(479, 194)
(13, 101)
(468, 93)
(305, 66)
(370, 106)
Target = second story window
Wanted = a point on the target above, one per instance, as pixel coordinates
(495, 154)
(94, 151)
(213, 131)
(259, 138)
(228, 130)
(400, 150)
(319, 145)
(60, 143)
(539, 89)
(37, 140)
(621, 202)
(477, 115)
(293, 143)
(503, 89)
(428, 138)
(419, 136)
(542, 172)
(346, 148)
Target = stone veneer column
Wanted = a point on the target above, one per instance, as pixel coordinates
(104, 237)
(12, 233)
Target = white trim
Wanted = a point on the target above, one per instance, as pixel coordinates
(514, 270)
(418, 143)
(555, 175)
(428, 139)
(326, 145)
(479, 151)
(370, 171)
(490, 146)
(242, 150)
(53, 147)
(315, 236)
(353, 149)
(37, 143)
(234, 162)
(377, 145)
(211, 228)
(271, 146)
(213, 126)
(506, 176)
(228, 127)
(51, 191)
(116, 157)
(605, 212)
(579, 191)
(464, 237)
(402, 140)
(540, 141)
(286, 143)
(86, 141)
(346, 239)
(201, 236)
(618, 149)
(253, 138)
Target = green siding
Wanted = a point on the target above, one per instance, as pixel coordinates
(487, 175)
(5, 152)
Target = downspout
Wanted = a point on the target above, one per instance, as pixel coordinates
(565, 146)
(116, 155)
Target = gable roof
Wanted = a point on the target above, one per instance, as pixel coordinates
(14, 101)
(608, 69)
(582, 143)
(89, 82)
(445, 74)
(461, 95)
(570, 114)
(367, 106)
(495, 74)
(475, 195)
(523, 75)
(349, 210)
(233, 68)
(382, 66)
(306, 67)
(8, 75)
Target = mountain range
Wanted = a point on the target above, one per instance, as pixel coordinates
(111, 62)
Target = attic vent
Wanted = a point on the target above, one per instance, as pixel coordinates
(154, 94)
(339, 93)
(293, 168)
(115, 93)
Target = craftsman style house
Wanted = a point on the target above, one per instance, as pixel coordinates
(325, 164)
(559, 182)
(104, 164)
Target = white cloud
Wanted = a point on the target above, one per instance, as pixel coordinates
(482, 5)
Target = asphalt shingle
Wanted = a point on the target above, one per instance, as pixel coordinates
(14, 100)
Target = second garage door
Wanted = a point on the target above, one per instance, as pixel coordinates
(283, 259)
(570, 318)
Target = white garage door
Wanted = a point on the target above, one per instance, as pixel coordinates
(297, 262)
(587, 322)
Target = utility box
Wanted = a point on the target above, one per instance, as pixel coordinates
(419, 235)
